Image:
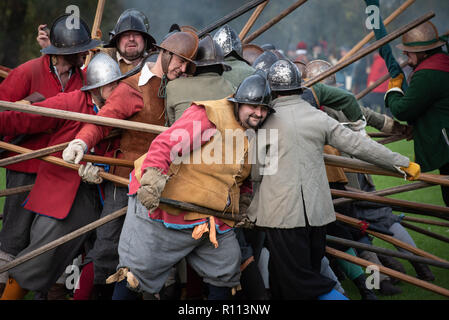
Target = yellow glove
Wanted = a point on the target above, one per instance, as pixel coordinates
(413, 171)
(396, 82)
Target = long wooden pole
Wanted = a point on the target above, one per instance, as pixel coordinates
(365, 167)
(31, 155)
(370, 35)
(384, 251)
(374, 46)
(432, 210)
(96, 26)
(376, 83)
(358, 224)
(389, 272)
(82, 117)
(4, 74)
(252, 19)
(425, 232)
(426, 221)
(17, 190)
(273, 21)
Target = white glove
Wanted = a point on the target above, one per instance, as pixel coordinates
(74, 151)
(89, 173)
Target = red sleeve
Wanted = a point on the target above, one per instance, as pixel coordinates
(121, 104)
(16, 86)
(189, 132)
(14, 122)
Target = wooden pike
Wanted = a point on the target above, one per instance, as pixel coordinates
(425, 232)
(370, 35)
(388, 252)
(365, 167)
(62, 163)
(393, 138)
(98, 223)
(358, 224)
(376, 83)
(384, 192)
(82, 117)
(252, 19)
(426, 221)
(4, 74)
(17, 190)
(390, 272)
(31, 155)
(432, 210)
(96, 27)
(273, 21)
(374, 46)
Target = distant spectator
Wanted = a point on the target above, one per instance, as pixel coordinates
(375, 99)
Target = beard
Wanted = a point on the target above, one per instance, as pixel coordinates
(131, 55)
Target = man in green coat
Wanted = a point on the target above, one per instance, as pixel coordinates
(425, 103)
(232, 48)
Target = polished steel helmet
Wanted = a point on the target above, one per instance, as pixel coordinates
(284, 75)
(131, 20)
(422, 38)
(210, 54)
(101, 71)
(66, 38)
(254, 90)
(229, 41)
(265, 61)
(315, 68)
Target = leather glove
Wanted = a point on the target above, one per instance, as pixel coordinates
(244, 202)
(396, 82)
(74, 151)
(89, 173)
(395, 127)
(413, 171)
(151, 186)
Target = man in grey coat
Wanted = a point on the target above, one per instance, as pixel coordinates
(292, 199)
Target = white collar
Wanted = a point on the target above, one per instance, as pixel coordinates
(145, 75)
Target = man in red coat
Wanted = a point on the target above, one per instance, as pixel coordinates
(62, 202)
(58, 70)
(138, 98)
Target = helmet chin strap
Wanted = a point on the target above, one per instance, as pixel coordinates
(165, 62)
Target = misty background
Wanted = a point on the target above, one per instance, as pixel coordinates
(339, 23)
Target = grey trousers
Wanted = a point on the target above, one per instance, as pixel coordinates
(15, 233)
(41, 272)
(104, 253)
(150, 250)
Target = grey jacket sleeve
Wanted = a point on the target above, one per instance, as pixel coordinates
(362, 147)
(373, 118)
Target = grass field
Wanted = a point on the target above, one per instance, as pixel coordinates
(431, 195)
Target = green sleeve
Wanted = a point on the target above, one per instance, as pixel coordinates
(418, 97)
(338, 99)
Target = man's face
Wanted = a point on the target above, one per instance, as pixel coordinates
(413, 58)
(252, 116)
(76, 60)
(131, 45)
(176, 67)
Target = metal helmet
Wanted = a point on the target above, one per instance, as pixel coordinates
(268, 46)
(229, 41)
(301, 66)
(131, 20)
(422, 38)
(284, 75)
(265, 61)
(66, 38)
(251, 52)
(101, 71)
(254, 90)
(210, 54)
(316, 67)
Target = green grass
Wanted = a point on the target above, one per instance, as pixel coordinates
(430, 195)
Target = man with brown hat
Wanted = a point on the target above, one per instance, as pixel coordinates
(425, 103)
(137, 98)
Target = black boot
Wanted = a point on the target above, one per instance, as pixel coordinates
(365, 293)
(103, 291)
(392, 263)
(423, 271)
(388, 289)
(252, 283)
